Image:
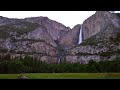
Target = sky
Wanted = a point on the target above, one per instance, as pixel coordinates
(68, 18)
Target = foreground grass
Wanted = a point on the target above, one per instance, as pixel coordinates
(64, 76)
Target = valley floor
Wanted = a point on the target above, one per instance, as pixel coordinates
(63, 76)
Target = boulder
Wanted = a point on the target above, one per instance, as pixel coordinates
(22, 77)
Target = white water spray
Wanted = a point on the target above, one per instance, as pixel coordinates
(80, 36)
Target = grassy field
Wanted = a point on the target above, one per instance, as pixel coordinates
(64, 76)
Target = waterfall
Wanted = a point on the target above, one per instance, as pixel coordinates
(59, 61)
(80, 36)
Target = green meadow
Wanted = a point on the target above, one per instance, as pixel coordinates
(63, 76)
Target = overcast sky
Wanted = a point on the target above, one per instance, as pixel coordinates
(68, 18)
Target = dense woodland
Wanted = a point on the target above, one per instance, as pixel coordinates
(30, 65)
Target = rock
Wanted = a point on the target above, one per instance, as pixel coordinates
(49, 59)
(82, 59)
(36, 41)
(98, 30)
(39, 34)
(70, 39)
(99, 22)
(22, 77)
(54, 28)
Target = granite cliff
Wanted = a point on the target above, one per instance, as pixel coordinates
(101, 39)
(52, 42)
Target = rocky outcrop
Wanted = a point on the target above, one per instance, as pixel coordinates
(102, 51)
(99, 22)
(35, 37)
(54, 28)
(101, 33)
(22, 77)
(70, 39)
(39, 34)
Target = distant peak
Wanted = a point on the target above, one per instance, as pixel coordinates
(2, 17)
(76, 26)
(102, 12)
(38, 17)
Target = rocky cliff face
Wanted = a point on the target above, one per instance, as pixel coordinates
(50, 41)
(54, 28)
(99, 22)
(70, 39)
(101, 34)
(31, 36)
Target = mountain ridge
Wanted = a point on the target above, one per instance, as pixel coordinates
(53, 42)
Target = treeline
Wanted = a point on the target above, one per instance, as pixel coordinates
(30, 65)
